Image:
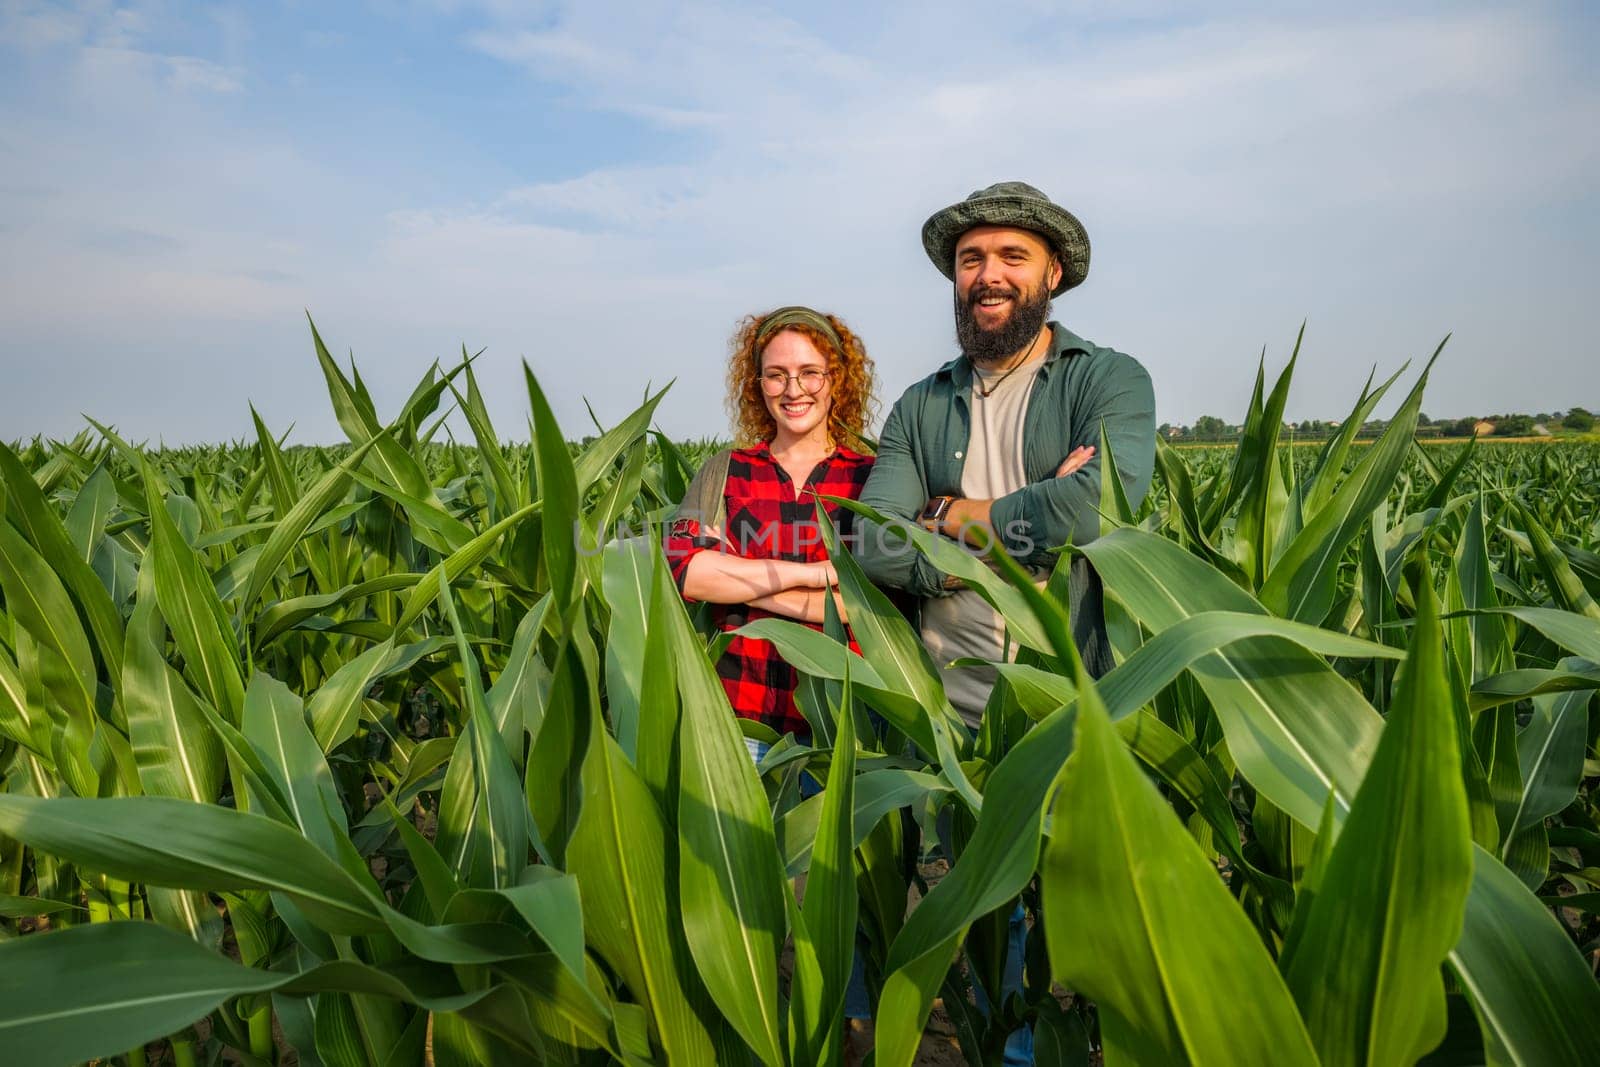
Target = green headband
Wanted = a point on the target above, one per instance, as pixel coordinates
(798, 316)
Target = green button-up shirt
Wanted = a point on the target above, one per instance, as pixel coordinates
(924, 444)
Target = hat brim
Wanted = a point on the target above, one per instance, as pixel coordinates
(1055, 224)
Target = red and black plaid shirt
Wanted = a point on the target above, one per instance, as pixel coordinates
(767, 520)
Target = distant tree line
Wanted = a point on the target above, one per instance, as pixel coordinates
(1512, 424)
(1516, 424)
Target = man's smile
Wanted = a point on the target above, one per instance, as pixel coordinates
(992, 303)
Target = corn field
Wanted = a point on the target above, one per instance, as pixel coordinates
(409, 751)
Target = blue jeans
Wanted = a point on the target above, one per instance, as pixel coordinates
(1019, 1045)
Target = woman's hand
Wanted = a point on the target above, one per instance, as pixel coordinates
(820, 575)
(801, 575)
(807, 605)
(1075, 461)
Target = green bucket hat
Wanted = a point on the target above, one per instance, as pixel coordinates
(1010, 204)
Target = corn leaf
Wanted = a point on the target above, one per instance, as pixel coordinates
(1137, 919)
(1534, 993)
(484, 832)
(69, 560)
(330, 488)
(170, 842)
(730, 882)
(627, 577)
(619, 853)
(558, 483)
(1301, 585)
(97, 990)
(825, 938)
(1363, 955)
(1296, 728)
(188, 601)
(275, 722)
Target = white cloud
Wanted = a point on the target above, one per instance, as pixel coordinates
(38, 25)
(112, 36)
(189, 72)
(535, 50)
(619, 197)
(684, 64)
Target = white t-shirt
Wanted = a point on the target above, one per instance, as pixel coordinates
(963, 624)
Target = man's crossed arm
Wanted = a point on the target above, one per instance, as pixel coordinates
(968, 520)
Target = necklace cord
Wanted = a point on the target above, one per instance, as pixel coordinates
(987, 393)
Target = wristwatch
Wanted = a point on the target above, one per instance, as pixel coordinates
(934, 512)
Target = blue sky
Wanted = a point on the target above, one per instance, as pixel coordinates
(605, 188)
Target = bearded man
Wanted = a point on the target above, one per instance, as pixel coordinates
(1003, 439)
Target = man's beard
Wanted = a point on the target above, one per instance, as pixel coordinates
(1029, 312)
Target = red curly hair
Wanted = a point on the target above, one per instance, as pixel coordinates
(852, 379)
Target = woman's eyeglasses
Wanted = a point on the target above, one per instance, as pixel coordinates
(776, 383)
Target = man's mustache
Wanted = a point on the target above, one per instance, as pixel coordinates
(993, 290)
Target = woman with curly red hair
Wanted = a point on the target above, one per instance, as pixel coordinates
(800, 390)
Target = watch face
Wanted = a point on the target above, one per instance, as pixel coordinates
(935, 508)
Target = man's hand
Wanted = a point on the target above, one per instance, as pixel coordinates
(968, 520)
(1075, 461)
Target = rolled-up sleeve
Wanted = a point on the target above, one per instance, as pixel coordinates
(1048, 514)
(684, 541)
(897, 489)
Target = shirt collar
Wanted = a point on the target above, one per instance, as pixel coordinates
(1062, 342)
(763, 450)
